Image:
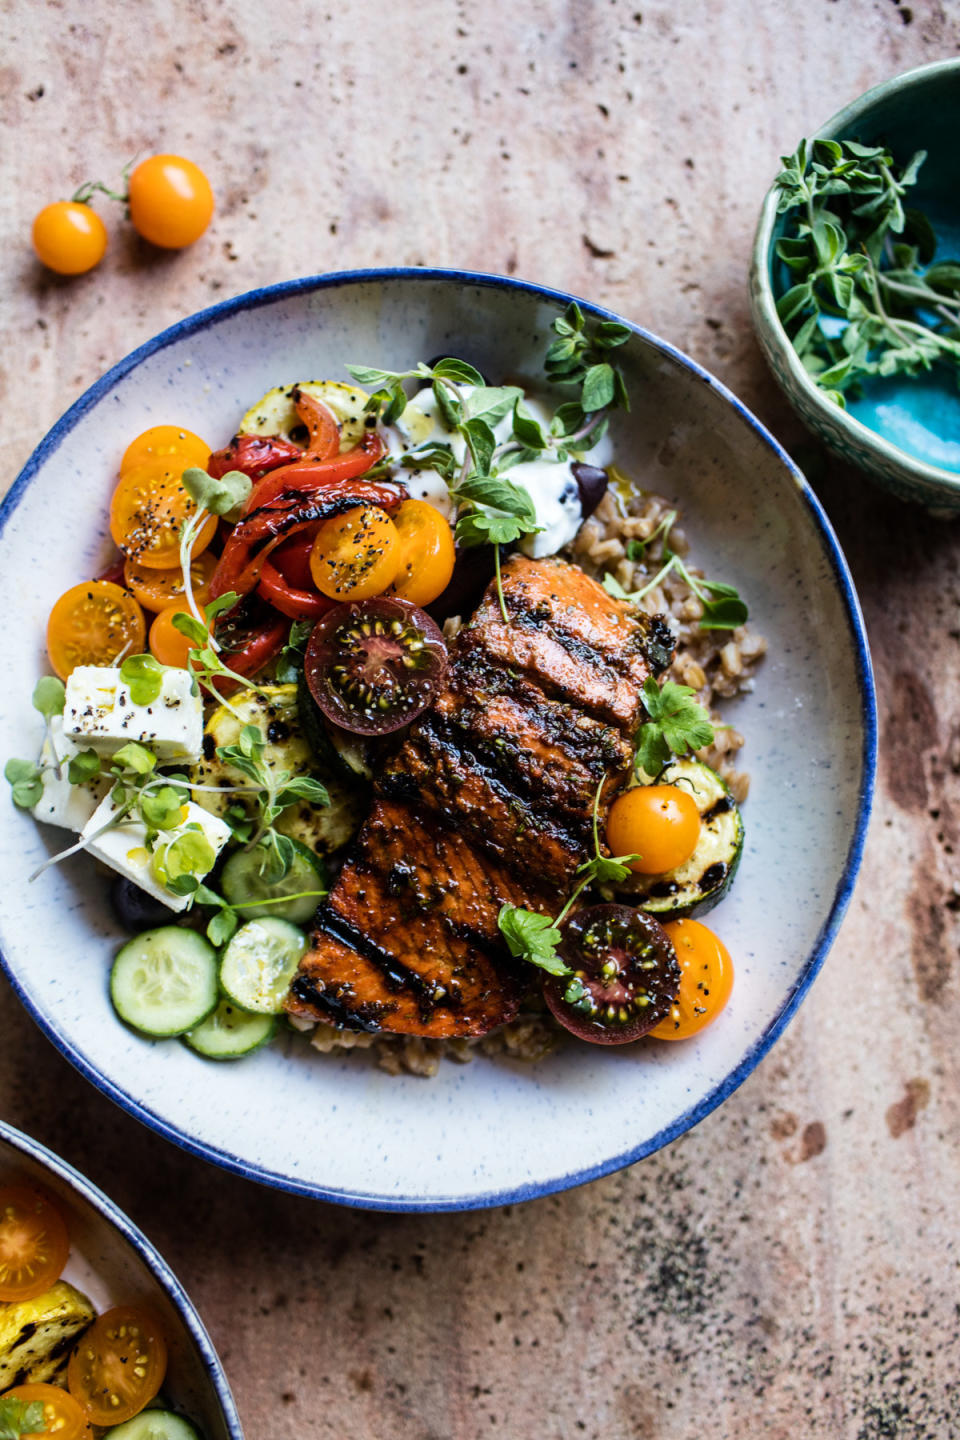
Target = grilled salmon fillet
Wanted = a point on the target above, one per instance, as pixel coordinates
(488, 801)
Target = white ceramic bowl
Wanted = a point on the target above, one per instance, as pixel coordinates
(492, 1131)
(113, 1263)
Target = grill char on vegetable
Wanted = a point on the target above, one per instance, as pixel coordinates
(487, 802)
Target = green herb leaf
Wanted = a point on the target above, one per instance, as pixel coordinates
(491, 403)
(225, 496)
(303, 787)
(527, 430)
(481, 443)
(458, 371)
(190, 855)
(18, 1419)
(532, 937)
(134, 757)
(222, 926)
(191, 627)
(26, 782)
(449, 405)
(606, 870)
(49, 696)
(677, 725)
(162, 809)
(83, 766)
(597, 388)
(143, 676)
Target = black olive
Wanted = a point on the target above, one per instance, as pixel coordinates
(135, 908)
(592, 483)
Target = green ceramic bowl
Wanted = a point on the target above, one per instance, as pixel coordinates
(905, 432)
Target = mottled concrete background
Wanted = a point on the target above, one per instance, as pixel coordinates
(789, 1269)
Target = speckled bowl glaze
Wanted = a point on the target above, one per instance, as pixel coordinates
(491, 1131)
(904, 432)
(113, 1263)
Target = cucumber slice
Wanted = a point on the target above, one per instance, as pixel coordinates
(153, 1425)
(229, 1033)
(244, 885)
(259, 963)
(164, 981)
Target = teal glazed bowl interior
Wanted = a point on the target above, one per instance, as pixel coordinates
(113, 1263)
(905, 430)
(335, 1126)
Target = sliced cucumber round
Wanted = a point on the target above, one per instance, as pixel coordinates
(246, 885)
(701, 881)
(153, 1425)
(229, 1033)
(164, 981)
(259, 963)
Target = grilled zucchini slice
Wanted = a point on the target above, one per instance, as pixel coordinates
(36, 1336)
(276, 414)
(322, 828)
(701, 882)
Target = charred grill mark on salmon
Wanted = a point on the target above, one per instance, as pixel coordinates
(488, 801)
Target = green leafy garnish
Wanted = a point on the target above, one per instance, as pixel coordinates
(677, 725)
(18, 1419)
(723, 608)
(143, 676)
(205, 663)
(134, 757)
(84, 766)
(161, 809)
(49, 696)
(290, 659)
(180, 863)
(864, 299)
(275, 790)
(225, 496)
(26, 782)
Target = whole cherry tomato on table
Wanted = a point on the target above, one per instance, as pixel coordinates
(171, 202)
(69, 237)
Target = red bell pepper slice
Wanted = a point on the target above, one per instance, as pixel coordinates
(308, 476)
(254, 455)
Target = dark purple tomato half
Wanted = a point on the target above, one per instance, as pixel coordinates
(625, 975)
(373, 665)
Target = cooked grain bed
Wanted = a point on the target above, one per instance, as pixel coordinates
(718, 665)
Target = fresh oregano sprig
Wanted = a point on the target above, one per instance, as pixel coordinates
(275, 791)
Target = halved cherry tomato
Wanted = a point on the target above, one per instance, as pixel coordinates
(373, 665)
(171, 203)
(156, 589)
(33, 1243)
(118, 1365)
(356, 555)
(148, 508)
(660, 823)
(94, 624)
(625, 975)
(307, 476)
(706, 980)
(63, 1416)
(166, 443)
(427, 558)
(69, 237)
(166, 643)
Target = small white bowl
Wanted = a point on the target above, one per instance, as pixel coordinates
(113, 1263)
(493, 1131)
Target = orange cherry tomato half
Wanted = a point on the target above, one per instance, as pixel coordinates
(166, 643)
(94, 624)
(63, 1417)
(171, 202)
(117, 1365)
(69, 237)
(156, 589)
(427, 558)
(33, 1243)
(166, 442)
(660, 823)
(706, 979)
(148, 508)
(356, 555)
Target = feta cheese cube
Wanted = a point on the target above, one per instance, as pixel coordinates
(99, 713)
(124, 847)
(62, 803)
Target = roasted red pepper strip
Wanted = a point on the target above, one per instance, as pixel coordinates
(288, 599)
(321, 423)
(308, 476)
(254, 455)
(252, 540)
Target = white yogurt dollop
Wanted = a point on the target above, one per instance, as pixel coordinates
(550, 484)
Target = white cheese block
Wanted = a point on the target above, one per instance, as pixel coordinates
(62, 803)
(99, 714)
(123, 847)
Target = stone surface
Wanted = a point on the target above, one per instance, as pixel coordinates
(790, 1267)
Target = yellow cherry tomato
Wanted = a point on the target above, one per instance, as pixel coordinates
(118, 1366)
(166, 442)
(148, 508)
(660, 823)
(706, 979)
(63, 1417)
(69, 237)
(356, 554)
(426, 562)
(156, 589)
(94, 624)
(171, 203)
(166, 643)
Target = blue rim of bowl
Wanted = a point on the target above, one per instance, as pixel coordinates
(152, 1258)
(267, 295)
(933, 479)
